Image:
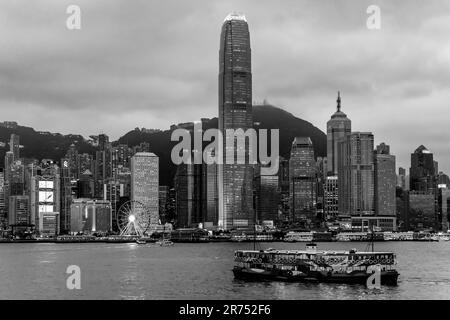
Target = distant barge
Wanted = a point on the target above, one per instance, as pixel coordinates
(350, 267)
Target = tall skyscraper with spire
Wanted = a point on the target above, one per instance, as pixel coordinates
(235, 112)
(338, 127)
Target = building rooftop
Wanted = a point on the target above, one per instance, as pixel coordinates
(235, 16)
(422, 149)
(302, 140)
(144, 154)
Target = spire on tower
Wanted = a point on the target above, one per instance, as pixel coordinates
(339, 101)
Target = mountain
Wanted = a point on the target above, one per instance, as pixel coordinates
(54, 146)
(41, 145)
(265, 116)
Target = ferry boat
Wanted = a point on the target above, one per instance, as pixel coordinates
(164, 243)
(292, 236)
(141, 241)
(310, 265)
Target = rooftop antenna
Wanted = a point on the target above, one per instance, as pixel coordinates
(339, 101)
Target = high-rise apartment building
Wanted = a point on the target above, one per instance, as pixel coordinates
(385, 181)
(356, 175)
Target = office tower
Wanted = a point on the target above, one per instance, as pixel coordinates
(14, 146)
(331, 209)
(103, 142)
(103, 167)
(73, 161)
(356, 175)
(189, 186)
(163, 202)
(89, 216)
(3, 199)
(45, 202)
(212, 197)
(86, 162)
(338, 127)
(444, 208)
(9, 160)
(443, 179)
(19, 218)
(85, 185)
(402, 209)
(267, 198)
(235, 112)
(283, 186)
(423, 180)
(436, 167)
(67, 195)
(385, 181)
(422, 172)
(145, 183)
(422, 210)
(321, 169)
(401, 178)
(302, 181)
(121, 156)
(184, 188)
(171, 205)
(117, 188)
(16, 183)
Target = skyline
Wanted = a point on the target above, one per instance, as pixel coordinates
(292, 67)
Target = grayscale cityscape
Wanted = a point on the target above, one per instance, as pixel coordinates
(314, 167)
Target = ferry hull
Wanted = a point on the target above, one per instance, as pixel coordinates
(388, 278)
(252, 275)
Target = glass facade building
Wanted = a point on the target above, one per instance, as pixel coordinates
(235, 181)
(90, 216)
(302, 180)
(338, 127)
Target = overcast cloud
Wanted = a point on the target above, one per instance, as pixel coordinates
(152, 63)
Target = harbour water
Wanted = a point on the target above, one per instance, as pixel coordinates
(200, 271)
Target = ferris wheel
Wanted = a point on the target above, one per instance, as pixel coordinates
(133, 218)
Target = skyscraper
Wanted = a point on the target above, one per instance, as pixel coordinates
(356, 174)
(3, 199)
(422, 173)
(66, 195)
(267, 197)
(212, 213)
(423, 183)
(338, 127)
(331, 209)
(385, 181)
(14, 146)
(45, 195)
(188, 185)
(401, 178)
(302, 180)
(145, 182)
(235, 112)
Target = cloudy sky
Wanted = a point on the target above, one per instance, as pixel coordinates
(151, 63)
